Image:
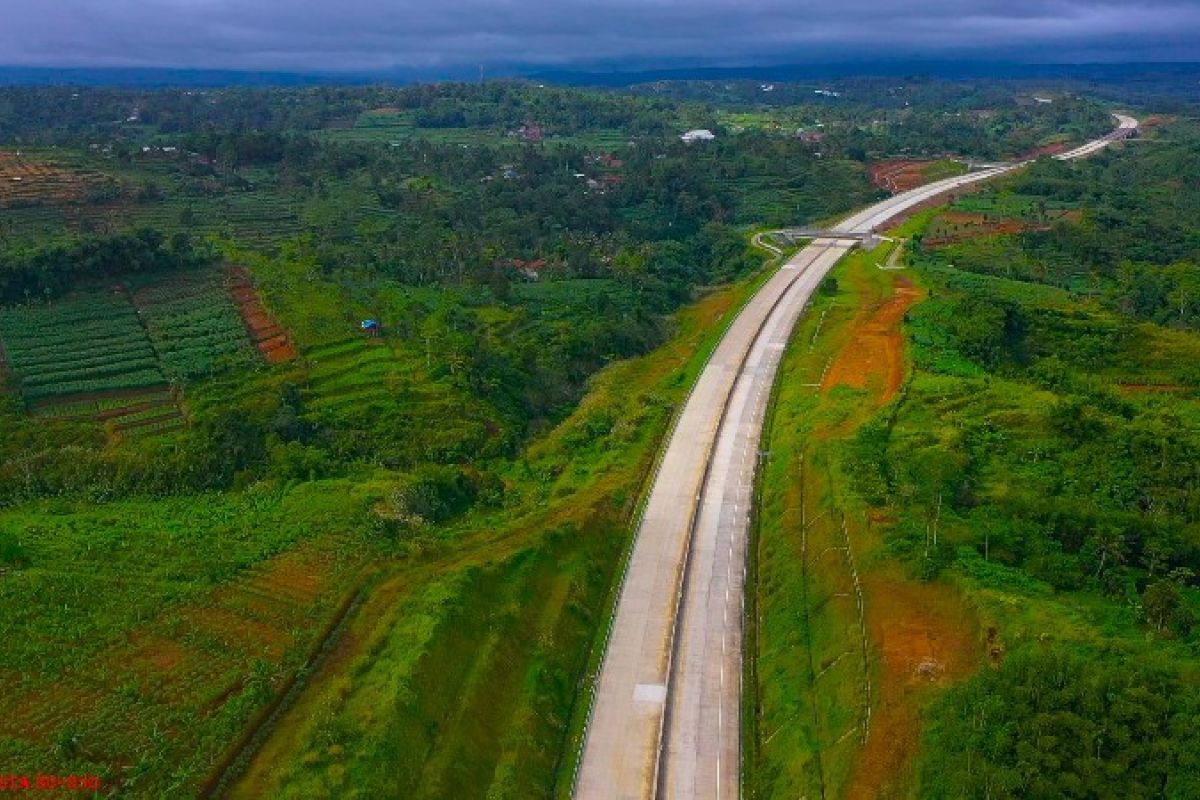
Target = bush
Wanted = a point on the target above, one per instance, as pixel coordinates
(432, 494)
(12, 552)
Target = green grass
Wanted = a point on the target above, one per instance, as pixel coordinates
(111, 622)
(942, 169)
(986, 445)
(1007, 204)
(805, 687)
(180, 625)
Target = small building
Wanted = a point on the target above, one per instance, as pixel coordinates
(530, 270)
(698, 135)
(530, 132)
(371, 326)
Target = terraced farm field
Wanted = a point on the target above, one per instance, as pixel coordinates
(193, 326)
(268, 335)
(29, 181)
(354, 375)
(140, 671)
(90, 344)
(121, 359)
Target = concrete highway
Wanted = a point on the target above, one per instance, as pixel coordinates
(666, 711)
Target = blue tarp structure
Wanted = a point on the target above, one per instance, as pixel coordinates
(370, 325)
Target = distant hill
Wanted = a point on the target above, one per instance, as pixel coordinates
(140, 77)
(1104, 73)
(1144, 83)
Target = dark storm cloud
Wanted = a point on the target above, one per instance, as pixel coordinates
(375, 34)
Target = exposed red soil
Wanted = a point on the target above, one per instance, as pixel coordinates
(953, 227)
(43, 713)
(163, 655)
(873, 358)
(898, 174)
(925, 638)
(1052, 149)
(267, 334)
(1156, 121)
(1151, 388)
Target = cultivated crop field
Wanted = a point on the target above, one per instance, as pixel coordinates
(193, 326)
(27, 181)
(267, 334)
(992, 213)
(89, 344)
(121, 358)
(148, 632)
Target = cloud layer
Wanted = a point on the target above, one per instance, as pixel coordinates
(379, 34)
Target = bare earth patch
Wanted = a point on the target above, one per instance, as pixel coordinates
(267, 334)
(873, 358)
(25, 181)
(898, 174)
(925, 639)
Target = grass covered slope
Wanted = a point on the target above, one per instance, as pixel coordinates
(462, 675)
(179, 628)
(844, 649)
(1040, 475)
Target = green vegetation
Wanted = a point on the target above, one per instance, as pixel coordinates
(90, 344)
(193, 326)
(1037, 469)
(461, 484)
(1134, 243)
(1042, 459)
(492, 618)
(1064, 503)
(1065, 724)
(798, 735)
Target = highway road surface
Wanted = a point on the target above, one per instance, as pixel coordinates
(665, 717)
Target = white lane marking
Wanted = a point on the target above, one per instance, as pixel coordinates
(650, 693)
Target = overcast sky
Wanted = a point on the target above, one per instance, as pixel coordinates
(310, 35)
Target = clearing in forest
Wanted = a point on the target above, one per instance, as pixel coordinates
(901, 174)
(873, 358)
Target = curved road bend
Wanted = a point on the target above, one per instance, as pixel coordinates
(666, 711)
